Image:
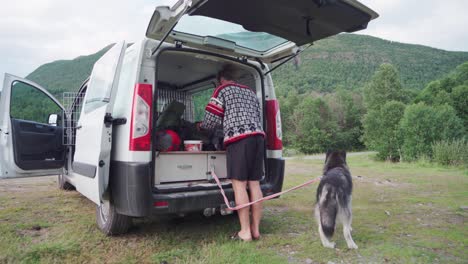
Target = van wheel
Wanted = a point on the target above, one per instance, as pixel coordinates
(109, 221)
(63, 184)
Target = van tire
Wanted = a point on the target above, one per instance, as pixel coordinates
(63, 184)
(109, 221)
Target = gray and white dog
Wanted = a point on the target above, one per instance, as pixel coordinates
(334, 199)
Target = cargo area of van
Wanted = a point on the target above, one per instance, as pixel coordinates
(184, 86)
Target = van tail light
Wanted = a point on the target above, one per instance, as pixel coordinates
(140, 126)
(274, 133)
(161, 204)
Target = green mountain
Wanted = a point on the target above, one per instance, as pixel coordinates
(346, 60)
(65, 75)
(350, 60)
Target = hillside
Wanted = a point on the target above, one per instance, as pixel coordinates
(350, 60)
(65, 75)
(346, 60)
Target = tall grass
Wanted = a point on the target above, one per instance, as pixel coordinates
(451, 152)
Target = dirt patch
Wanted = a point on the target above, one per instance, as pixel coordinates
(298, 168)
(277, 209)
(386, 183)
(378, 182)
(427, 215)
(38, 234)
(45, 183)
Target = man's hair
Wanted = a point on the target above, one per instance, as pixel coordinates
(228, 72)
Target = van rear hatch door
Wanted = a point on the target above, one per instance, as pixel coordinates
(165, 17)
(264, 29)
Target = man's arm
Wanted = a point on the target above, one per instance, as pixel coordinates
(214, 114)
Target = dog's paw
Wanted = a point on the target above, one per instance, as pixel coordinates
(352, 246)
(329, 245)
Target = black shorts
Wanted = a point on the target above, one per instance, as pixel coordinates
(245, 159)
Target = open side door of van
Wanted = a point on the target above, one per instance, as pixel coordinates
(262, 29)
(31, 130)
(93, 141)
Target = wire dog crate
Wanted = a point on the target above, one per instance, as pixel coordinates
(166, 96)
(72, 103)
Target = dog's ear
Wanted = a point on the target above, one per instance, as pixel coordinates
(343, 154)
(327, 155)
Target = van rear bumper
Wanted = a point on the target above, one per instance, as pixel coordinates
(185, 202)
(132, 194)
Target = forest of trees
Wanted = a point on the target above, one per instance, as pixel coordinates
(348, 61)
(382, 116)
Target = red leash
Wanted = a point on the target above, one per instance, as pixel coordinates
(226, 201)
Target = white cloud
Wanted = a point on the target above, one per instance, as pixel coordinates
(34, 32)
(439, 24)
(39, 31)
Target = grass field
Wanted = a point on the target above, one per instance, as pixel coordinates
(403, 213)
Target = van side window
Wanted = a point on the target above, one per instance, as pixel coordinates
(101, 80)
(97, 97)
(99, 88)
(200, 100)
(29, 103)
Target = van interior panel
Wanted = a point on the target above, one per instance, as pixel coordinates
(182, 69)
(37, 146)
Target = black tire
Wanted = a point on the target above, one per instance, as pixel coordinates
(63, 184)
(109, 221)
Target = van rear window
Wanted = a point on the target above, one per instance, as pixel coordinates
(206, 26)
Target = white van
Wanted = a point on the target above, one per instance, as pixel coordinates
(104, 143)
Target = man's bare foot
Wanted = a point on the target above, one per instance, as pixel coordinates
(244, 236)
(255, 234)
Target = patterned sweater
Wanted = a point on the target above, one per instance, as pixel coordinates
(236, 108)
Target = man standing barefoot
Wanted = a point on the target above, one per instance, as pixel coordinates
(236, 108)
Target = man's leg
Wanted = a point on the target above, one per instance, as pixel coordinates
(240, 193)
(255, 194)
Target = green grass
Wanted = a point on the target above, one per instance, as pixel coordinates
(403, 213)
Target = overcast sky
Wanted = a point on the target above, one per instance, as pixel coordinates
(34, 32)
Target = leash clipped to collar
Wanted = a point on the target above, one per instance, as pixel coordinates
(226, 201)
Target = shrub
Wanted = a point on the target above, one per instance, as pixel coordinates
(423, 125)
(460, 102)
(316, 126)
(381, 130)
(453, 152)
(290, 152)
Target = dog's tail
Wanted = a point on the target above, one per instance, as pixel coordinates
(328, 206)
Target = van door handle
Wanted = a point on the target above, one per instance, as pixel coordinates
(79, 127)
